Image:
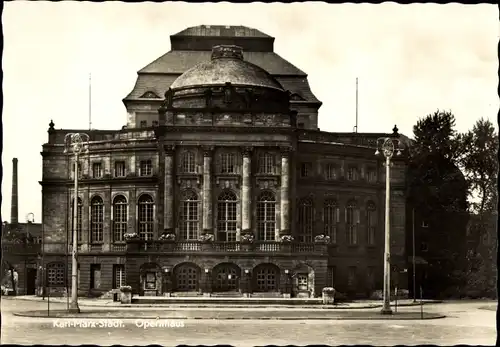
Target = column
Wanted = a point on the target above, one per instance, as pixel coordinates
(207, 190)
(285, 191)
(168, 190)
(246, 198)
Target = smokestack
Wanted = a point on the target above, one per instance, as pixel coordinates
(14, 212)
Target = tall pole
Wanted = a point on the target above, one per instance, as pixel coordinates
(73, 307)
(388, 147)
(90, 101)
(76, 142)
(387, 247)
(414, 263)
(356, 104)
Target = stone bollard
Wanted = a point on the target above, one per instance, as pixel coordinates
(328, 296)
(126, 294)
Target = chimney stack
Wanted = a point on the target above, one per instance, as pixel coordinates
(14, 210)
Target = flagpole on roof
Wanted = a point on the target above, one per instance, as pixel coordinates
(90, 101)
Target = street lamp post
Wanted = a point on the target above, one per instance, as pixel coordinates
(76, 143)
(388, 146)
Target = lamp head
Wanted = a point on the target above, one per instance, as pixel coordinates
(377, 152)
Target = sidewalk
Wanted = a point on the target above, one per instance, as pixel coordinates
(225, 314)
(171, 303)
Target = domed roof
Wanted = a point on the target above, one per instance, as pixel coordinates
(226, 66)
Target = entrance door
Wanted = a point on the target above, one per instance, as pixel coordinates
(302, 282)
(226, 279)
(30, 281)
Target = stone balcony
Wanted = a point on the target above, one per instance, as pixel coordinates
(11, 248)
(259, 247)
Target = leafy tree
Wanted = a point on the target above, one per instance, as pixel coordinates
(437, 189)
(479, 161)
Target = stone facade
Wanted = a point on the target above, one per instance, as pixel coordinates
(202, 188)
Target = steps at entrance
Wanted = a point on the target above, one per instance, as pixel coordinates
(227, 295)
(186, 294)
(228, 301)
(267, 295)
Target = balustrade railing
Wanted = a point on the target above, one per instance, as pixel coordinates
(217, 246)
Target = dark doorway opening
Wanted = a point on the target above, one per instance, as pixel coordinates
(30, 281)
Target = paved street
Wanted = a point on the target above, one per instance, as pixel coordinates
(467, 323)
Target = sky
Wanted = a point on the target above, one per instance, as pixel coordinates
(410, 61)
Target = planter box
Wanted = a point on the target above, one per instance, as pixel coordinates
(328, 295)
(126, 297)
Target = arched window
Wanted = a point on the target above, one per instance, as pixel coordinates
(120, 218)
(266, 163)
(56, 274)
(146, 206)
(352, 221)
(226, 216)
(228, 163)
(266, 216)
(189, 215)
(79, 211)
(371, 222)
(306, 220)
(96, 220)
(188, 162)
(331, 214)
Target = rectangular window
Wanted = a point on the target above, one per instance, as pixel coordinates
(96, 170)
(331, 276)
(95, 276)
(155, 123)
(372, 175)
(305, 169)
(146, 168)
(143, 124)
(331, 216)
(118, 276)
(228, 163)
(80, 171)
(120, 169)
(352, 221)
(266, 163)
(351, 276)
(330, 172)
(372, 227)
(424, 247)
(352, 173)
(55, 274)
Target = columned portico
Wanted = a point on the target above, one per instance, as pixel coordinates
(285, 191)
(246, 192)
(168, 216)
(207, 190)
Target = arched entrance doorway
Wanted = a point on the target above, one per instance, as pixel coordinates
(303, 279)
(186, 277)
(266, 278)
(226, 278)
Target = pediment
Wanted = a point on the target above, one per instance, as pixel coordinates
(150, 95)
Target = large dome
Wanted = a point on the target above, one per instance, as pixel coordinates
(226, 66)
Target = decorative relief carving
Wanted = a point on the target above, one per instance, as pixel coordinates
(228, 182)
(169, 149)
(246, 151)
(207, 151)
(268, 183)
(185, 183)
